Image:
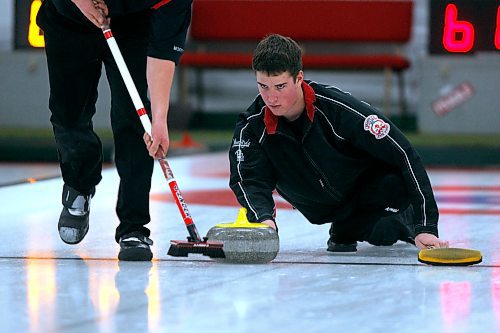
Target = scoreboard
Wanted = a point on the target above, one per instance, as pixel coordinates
(27, 34)
(459, 79)
(456, 26)
(464, 26)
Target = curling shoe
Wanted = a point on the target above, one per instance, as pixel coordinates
(341, 247)
(74, 219)
(335, 244)
(135, 247)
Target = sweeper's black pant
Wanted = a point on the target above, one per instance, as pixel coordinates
(75, 57)
(377, 213)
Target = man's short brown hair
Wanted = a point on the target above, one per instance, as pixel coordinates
(276, 54)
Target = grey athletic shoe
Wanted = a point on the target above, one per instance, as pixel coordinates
(135, 247)
(74, 219)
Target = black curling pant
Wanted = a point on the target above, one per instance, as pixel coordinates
(75, 60)
(383, 197)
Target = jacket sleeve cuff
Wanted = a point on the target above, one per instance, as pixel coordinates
(427, 229)
(266, 217)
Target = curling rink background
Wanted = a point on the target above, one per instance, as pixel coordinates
(48, 286)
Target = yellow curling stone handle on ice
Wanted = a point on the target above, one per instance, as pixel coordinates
(246, 242)
(242, 222)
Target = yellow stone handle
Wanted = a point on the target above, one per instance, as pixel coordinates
(242, 222)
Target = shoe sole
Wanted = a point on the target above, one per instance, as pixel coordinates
(70, 235)
(135, 254)
(346, 248)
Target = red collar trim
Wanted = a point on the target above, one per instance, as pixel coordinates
(309, 98)
(271, 121)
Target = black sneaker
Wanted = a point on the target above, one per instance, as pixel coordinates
(340, 245)
(135, 247)
(74, 219)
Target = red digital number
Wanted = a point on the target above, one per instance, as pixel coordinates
(497, 30)
(458, 36)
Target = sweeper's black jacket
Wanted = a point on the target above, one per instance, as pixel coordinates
(168, 19)
(320, 166)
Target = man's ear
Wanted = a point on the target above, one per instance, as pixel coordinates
(300, 77)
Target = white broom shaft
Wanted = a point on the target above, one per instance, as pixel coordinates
(129, 83)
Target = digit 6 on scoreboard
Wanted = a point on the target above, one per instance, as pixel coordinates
(459, 35)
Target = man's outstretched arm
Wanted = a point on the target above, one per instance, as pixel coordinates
(160, 75)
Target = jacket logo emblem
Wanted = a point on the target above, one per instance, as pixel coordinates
(178, 49)
(376, 126)
(241, 143)
(239, 156)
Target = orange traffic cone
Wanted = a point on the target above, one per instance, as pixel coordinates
(186, 142)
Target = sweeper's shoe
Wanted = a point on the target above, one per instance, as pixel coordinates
(135, 247)
(74, 219)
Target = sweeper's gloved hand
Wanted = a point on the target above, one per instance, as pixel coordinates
(426, 241)
(91, 12)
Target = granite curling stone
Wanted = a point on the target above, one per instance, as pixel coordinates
(246, 242)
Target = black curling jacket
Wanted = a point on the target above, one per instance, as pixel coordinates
(345, 142)
(168, 19)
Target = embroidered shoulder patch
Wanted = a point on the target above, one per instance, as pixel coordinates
(376, 126)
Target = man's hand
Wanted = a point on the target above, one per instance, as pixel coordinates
(426, 241)
(157, 145)
(95, 11)
(101, 6)
(270, 223)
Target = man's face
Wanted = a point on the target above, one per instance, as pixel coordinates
(282, 95)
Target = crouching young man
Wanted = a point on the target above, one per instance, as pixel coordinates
(334, 158)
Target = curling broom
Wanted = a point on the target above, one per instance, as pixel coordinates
(194, 243)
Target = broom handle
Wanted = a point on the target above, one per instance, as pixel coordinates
(146, 123)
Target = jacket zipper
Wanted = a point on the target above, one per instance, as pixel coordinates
(323, 180)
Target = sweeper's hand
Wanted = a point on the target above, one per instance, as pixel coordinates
(91, 12)
(101, 6)
(427, 241)
(157, 145)
(270, 223)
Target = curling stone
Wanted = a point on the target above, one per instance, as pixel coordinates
(246, 242)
